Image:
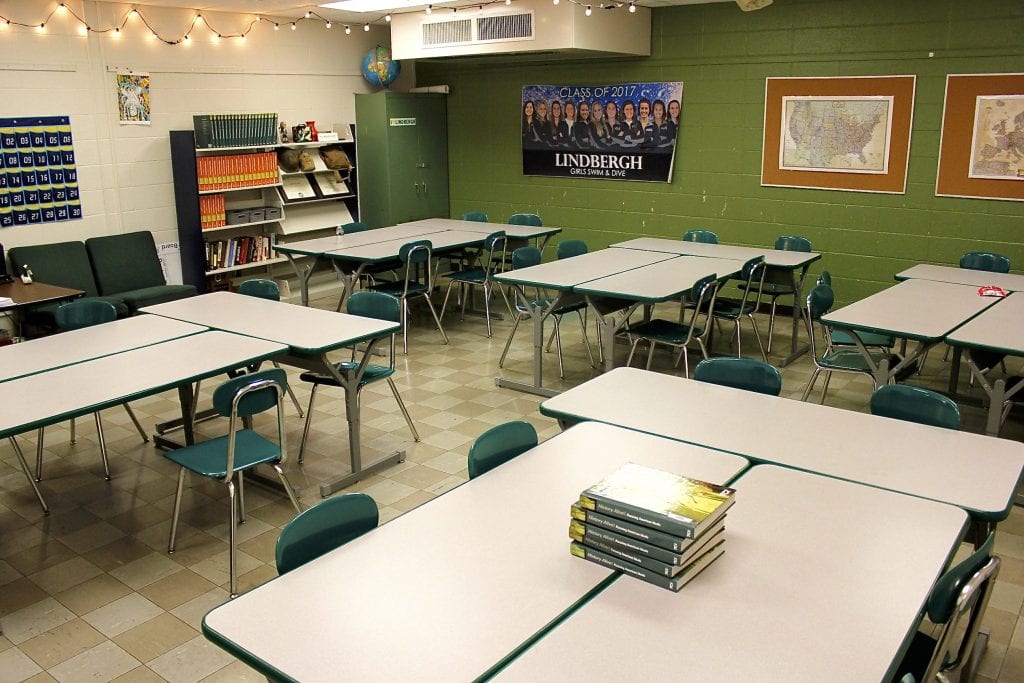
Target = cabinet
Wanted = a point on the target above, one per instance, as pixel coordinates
(403, 153)
(234, 203)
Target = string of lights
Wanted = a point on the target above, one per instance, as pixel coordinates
(117, 28)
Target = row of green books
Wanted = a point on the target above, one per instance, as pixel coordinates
(656, 526)
(234, 130)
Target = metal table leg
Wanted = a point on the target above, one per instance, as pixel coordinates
(538, 314)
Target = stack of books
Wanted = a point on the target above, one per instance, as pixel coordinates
(235, 130)
(653, 525)
(233, 171)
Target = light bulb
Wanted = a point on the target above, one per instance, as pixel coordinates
(430, 8)
(199, 17)
(294, 26)
(83, 29)
(41, 28)
(588, 11)
(308, 14)
(508, 2)
(61, 8)
(277, 26)
(348, 30)
(258, 18)
(632, 8)
(328, 24)
(186, 40)
(366, 27)
(554, 2)
(387, 18)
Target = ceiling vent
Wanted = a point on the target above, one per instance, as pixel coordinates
(534, 26)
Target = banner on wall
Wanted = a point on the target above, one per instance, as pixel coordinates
(626, 131)
(38, 176)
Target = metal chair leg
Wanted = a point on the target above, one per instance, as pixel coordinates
(177, 510)
(437, 320)
(28, 475)
(515, 326)
(287, 487)
(405, 413)
(771, 323)
(309, 418)
(241, 496)
(586, 341)
(404, 322)
(291, 394)
(487, 307)
(810, 384)
(558, 345)
(135, 421)
(824, 389)
(232, 541)
(72, 430)
(103, 445)
(447, 293)
(39, 453)
(757, 336)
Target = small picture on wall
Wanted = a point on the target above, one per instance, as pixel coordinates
(133, 98)
(997, 148)
(836, 134)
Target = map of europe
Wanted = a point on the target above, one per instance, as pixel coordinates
(998, 147)
(836, 134)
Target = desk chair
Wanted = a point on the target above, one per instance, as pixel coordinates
(477, 216)
(842, 338)
(705, 236)
(530, 219)
(327, 525)
(227, 457)
(73, 316)
(740, 373)
(379, 306)
(679, 335)
(354, 227)
(493, 261)
(915, 404)
(773, 289)
(734, 310)
(415, 257)
(956, 605)
(568, 249)
(833, 359)
(992, 263)
(500, 444)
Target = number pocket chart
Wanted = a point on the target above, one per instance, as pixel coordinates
(38, 177)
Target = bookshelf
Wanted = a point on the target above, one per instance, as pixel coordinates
(234, 202)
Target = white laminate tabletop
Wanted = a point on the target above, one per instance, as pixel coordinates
(821, 579)
(518, 231)
(662, 280)
(306, 330)
(449, 588)
(916, 309)
(321, 245)
(773, 257)
(383, 251)
(963, 276)
(975, 472)
(999, 328)
(47, 397)
(566, 273)
(67, 348)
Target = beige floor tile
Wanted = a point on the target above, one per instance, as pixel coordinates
(35, 619)
(121, 615)
(93, 594)
(65, 575)
(41, 677)
(92, 537)
(61, 643)
(176, 589)
(145, 570)
(192, 611)
(235, 672)
(118, 553)
(19, 594)
(215, 568)
(140, 674)
(192, 661)
(16, 666)
(155, 637)
(106, 661)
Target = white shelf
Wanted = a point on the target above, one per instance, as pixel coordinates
(246, 148)
(246, 266)
(239, 189)
(310, 216)
(221, 228)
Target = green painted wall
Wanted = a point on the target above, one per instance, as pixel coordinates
(723, 56)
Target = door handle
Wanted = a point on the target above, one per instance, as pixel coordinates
(416, 186)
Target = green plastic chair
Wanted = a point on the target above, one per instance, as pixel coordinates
(843, 338)
(227, 457)
(500, 444)
(679, 335)
(492, 259)
(476, 216)
(379, 306)
(915, 404)
(76, 315)
(775, 290)
(570, 248)
(706, 236)
(833, 359)
(734, 310)
(417, 280)
(354, 227)
(985, 260)
(327, 525)
(740, 373)
(957, 606)
(530, 219)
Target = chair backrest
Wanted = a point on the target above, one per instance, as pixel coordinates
(65, 264)
(793, 243)
(499, 445)
(819, 302)
(77, 314)
(524, 257)
(478, 216)
(261, 289)
(376, 305)
(960, 596)
(327, 525)
(740, 373)
(985, 260)
(915, 404)
(354, 226)
(752, 274)
(702, 296)
(530, 219)
(415, 252)
(700, 236)
(570, 248)
(247, 395)
(494, 251)
(125, 262)
(824, 279)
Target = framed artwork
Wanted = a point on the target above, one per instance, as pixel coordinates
(844, 133)
(981, 152)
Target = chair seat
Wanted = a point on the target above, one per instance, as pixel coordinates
(396, 288)
(371, 374)
(841, 338)
(732, 309)
(209, 458)
(773, 289)
(849, 359)
(473, 276)
(665, 331)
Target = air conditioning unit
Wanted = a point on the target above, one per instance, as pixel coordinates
(528, 26)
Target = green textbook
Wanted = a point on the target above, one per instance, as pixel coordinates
(673, 583)
(647, 556)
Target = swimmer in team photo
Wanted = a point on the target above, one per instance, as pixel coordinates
(581, 131)
(648, 132)
(542, 124)
(632, 133)
(559, 129)
(570, 120)
(673, 113)
(611, 116)
(530, 137)
(600, 133)
(665, 132)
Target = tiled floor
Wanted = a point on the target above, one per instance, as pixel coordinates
(90, 593)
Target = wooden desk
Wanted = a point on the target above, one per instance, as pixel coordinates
(310, 334)
(974, 472)
(924, 311)
(36, 293)
(562, 277)
(963, 276)
(821, 580)
(448, 589)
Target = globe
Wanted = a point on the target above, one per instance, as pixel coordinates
(378, 67)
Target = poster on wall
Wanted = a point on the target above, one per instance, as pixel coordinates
(38, 177)
(838, 133)
(133, 98)
(625, 131)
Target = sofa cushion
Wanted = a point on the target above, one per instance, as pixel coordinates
(65, 264)
(150, 296)
(122, 263)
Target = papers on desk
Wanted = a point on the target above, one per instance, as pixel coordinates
(6, 302)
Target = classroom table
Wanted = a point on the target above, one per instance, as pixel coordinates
(448, 589)
(25, 296)
(561, 277)
(821, 579)
(923, 311)
(648, 285)
(310, 334)
(972, 471)
(542, 234)
(784, 267)
(51, 396)
(75, 346)
(998, 329)
(963, 276)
